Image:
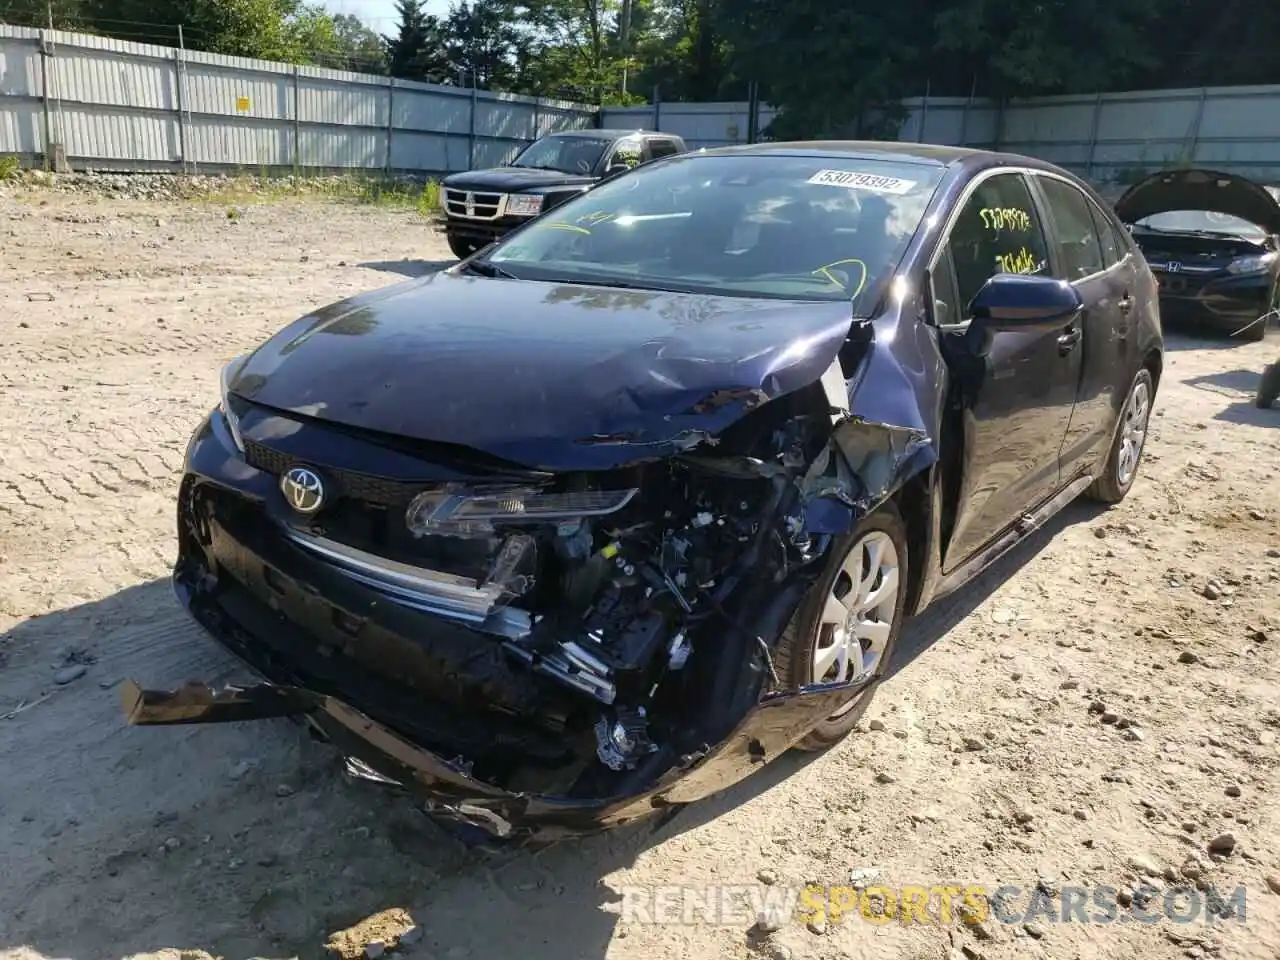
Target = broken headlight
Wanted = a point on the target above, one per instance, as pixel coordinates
(474, 512)
(224, 401)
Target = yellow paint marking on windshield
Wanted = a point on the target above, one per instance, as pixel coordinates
(561, 225)
(825, 270)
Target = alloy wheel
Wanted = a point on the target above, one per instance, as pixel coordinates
(1133, 432)
(857, 617)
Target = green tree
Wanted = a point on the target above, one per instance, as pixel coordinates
(1054, 46)
(573, 48)
(683, 52)
(484, 45)
(418, 51)
(832, 67)
(358, 46)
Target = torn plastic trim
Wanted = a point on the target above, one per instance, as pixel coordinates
(430, 591)
(864, 462)
(775, 723)
(680, 442)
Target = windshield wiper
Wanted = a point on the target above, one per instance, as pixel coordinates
(487, 268)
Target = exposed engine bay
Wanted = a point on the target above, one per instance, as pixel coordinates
(612, 589)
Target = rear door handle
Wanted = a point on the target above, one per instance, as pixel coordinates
(1067, 342)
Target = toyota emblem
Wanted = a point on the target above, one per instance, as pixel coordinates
(303, 490)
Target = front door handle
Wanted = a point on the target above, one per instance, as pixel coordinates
(1067, 342)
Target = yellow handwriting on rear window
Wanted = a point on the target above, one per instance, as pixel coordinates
(1005, 218)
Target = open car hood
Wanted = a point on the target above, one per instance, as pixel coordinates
(1200, 190)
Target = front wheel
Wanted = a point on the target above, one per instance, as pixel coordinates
(1257, 331)
(848, 624)
(1131, 438)
(1269, 386)
(461, 247)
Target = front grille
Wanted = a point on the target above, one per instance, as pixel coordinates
(1178, 284)
(482, 206)
(357, 486)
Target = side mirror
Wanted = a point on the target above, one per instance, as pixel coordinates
(1018, 301)
(616, 170)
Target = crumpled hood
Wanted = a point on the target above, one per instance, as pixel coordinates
(1200, 190)
(508, 179)
(546, 375)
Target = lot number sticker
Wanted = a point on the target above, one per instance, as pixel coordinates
(862, 181)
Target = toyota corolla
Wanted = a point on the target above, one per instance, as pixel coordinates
(601, 519)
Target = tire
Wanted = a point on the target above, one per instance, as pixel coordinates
(1268, 386)
(794, 657)
(1257, 331)
(462, 248)
(1114, 484)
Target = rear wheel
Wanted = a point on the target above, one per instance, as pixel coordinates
(462, 248)
(1131, 438)
(1269, 385)
(848, 625)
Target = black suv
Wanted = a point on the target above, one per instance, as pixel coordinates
(482, 205)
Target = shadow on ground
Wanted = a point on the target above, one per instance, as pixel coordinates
(1241, 386)
(1187, 336)
(408, 268)
(244, 839)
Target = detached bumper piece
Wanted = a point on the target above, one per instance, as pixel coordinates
(372, 751)
(198, 703)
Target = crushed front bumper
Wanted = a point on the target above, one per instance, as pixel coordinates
(291, 617)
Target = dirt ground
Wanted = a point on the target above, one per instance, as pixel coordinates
(1098, 708)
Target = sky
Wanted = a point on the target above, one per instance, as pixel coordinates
(381, 14)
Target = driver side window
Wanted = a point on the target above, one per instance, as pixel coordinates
(629, 152)
(998, 231)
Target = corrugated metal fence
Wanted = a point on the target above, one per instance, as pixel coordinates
(698, 124)
(112, 104)
(1108, 138)
(1114, 137)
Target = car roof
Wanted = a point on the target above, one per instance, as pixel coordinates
(929, 154)
(613, 132)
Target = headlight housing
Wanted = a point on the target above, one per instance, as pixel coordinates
(463, 511)
(1258, 263)
(224, 401)
(524, 204)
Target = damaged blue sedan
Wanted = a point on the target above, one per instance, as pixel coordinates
(603, 518)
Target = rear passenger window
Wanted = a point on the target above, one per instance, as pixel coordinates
(1113, 245)
(997, 231)
(663, 148)
(1077, 236)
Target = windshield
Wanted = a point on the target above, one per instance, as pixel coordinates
(1201, 221)
(798, 228)
(570, 154)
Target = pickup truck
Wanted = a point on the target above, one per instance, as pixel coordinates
(480, 206)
